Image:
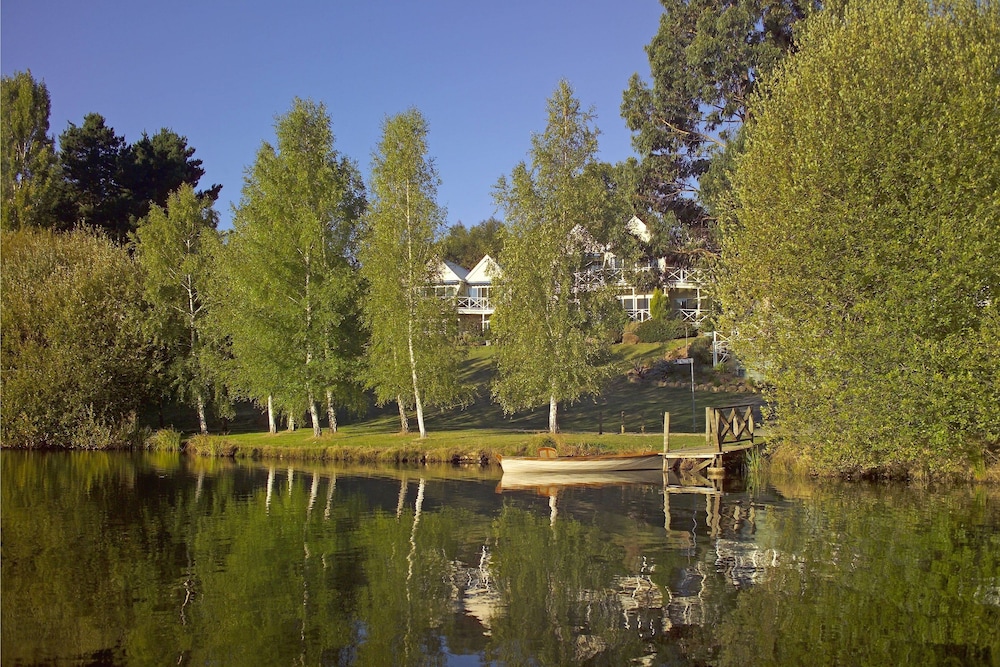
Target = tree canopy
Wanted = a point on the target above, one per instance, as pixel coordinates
(27, 154)
(412, 357)
(172, 246)
(705, 61)
(288, 287)
(859, 261)
(466, 247)
(551, 334)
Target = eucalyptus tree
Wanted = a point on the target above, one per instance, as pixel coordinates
(551, 333)
(28, 158)
(705, 61)
(412, 354)
(288, 285)
(859, 264)
(172, 247)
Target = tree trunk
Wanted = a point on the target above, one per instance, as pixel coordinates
(416, 389)
(553, 406)
(314, 414)
(291, 422)
(272, 424)
(202, 422)
(404, 422)
(331, 412)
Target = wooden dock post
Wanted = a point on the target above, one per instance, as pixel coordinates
(666, 432)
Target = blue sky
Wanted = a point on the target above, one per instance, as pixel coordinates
(218, 72)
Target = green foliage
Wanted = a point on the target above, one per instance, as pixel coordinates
(110, 185)
(705, 61)
(552, 338)
(466, 247)
(27, 154)
(659, 330)
(859, 264)
(412, 355)
(164, 440)
(74, 359)
(95, 193)
(172, 247)
(158, 166)
(659, 306)
(286, 291)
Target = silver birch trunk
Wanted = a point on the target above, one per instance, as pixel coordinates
(331, 412)
(314, 414)
(202, 421)
(416, 389)
(553, 406)
(272, 424)
(411, 295)
(404, 422)
(291, 422)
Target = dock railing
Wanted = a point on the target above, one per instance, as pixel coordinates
(729, 425)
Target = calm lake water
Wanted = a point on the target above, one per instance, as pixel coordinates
(162, 559)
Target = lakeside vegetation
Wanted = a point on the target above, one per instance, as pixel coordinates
(851, 232)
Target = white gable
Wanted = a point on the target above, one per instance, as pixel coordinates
(483, 272)
(449, 272)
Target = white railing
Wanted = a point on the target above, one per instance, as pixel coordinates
(473, 303)
(638, 314)
(693, 315)
(678, 277)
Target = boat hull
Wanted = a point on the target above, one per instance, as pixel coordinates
(581, 464)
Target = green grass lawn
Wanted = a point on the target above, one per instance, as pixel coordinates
(481, 430)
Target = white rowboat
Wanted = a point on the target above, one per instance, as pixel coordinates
(580, 464)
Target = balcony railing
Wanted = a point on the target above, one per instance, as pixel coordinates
(678, 277)
(478, 303)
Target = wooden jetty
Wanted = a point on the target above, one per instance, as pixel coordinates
(728, 430)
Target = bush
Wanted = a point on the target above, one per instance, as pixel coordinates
(658, 330)
(701, 350)
(164, 440)
(74, 358)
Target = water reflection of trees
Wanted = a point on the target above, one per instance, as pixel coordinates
(163, 560)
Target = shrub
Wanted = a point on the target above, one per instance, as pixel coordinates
(658, 330)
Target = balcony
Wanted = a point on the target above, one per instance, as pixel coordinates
(473, 305)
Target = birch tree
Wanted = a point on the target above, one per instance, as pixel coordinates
(551, 335)
(288, 283)
(412, 356)
(169, 246)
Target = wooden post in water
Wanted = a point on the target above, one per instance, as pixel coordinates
(708, 426)
(666, 432)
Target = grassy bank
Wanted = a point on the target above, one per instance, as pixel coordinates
(356, 444)
(480, 431)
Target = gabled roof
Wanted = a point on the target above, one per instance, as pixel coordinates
(449, 272)
(484, 271)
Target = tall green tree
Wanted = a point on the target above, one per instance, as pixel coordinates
(30, 177)
(172, 246)
(859, 263)
(157, 166)
(551, 334)
(705, 61)
(288, 281)
(412, 354)
(93, 160)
